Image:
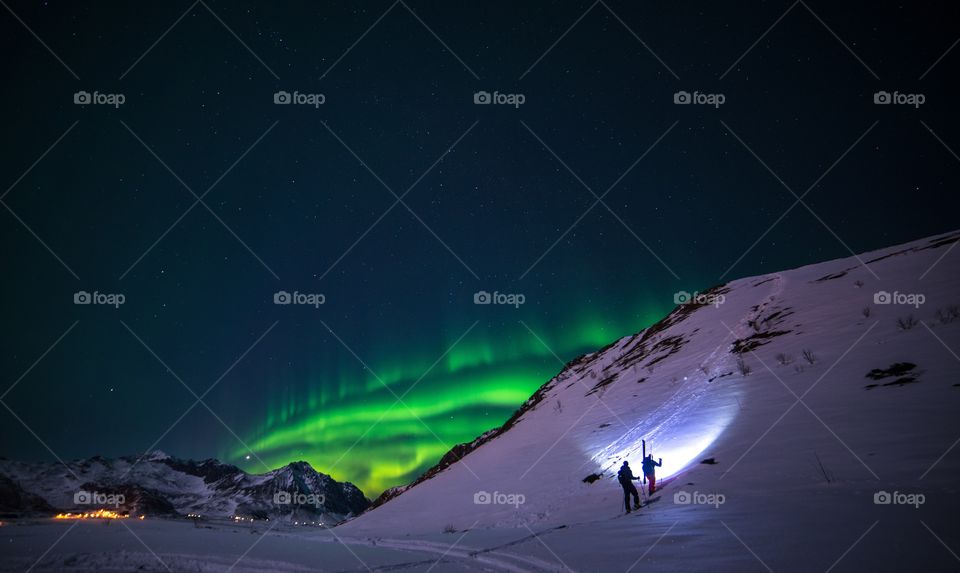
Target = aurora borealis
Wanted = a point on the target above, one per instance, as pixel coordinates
(358, 429)
(201, 197)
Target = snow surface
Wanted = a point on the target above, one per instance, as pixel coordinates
(797, 478)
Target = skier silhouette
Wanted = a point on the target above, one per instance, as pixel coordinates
(648, 466)
(625, 477)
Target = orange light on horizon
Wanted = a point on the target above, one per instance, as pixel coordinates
(98, 514)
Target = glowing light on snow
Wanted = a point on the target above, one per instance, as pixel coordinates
(679, 453)
(680, 432)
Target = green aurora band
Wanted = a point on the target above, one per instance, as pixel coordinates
(355, 429)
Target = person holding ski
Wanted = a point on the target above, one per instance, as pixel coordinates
(648, 471)
(625, 477)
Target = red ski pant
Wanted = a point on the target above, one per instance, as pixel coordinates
(653, 484)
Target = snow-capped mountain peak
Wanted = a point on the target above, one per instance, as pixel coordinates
(159, 484)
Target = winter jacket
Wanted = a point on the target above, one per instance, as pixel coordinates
(648, 465)
(625, 475)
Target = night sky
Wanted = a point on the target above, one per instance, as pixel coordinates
(494, 198)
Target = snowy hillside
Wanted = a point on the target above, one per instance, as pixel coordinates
(811, 390)
(158, 485)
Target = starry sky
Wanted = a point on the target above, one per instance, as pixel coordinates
(398, 198)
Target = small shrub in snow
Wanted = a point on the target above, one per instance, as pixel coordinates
(449, 528)
(743, 367)
(809, 356)
(949, 314)
(866, 312)
(783, 359)
(858, 283)
(906, 323)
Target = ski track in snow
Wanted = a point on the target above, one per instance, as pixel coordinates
(502, 560)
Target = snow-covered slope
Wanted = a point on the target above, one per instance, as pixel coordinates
(158, 484)
(771, 377)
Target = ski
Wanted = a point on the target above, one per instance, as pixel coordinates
(644, 442)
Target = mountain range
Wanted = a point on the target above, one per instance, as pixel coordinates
(158, 484)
